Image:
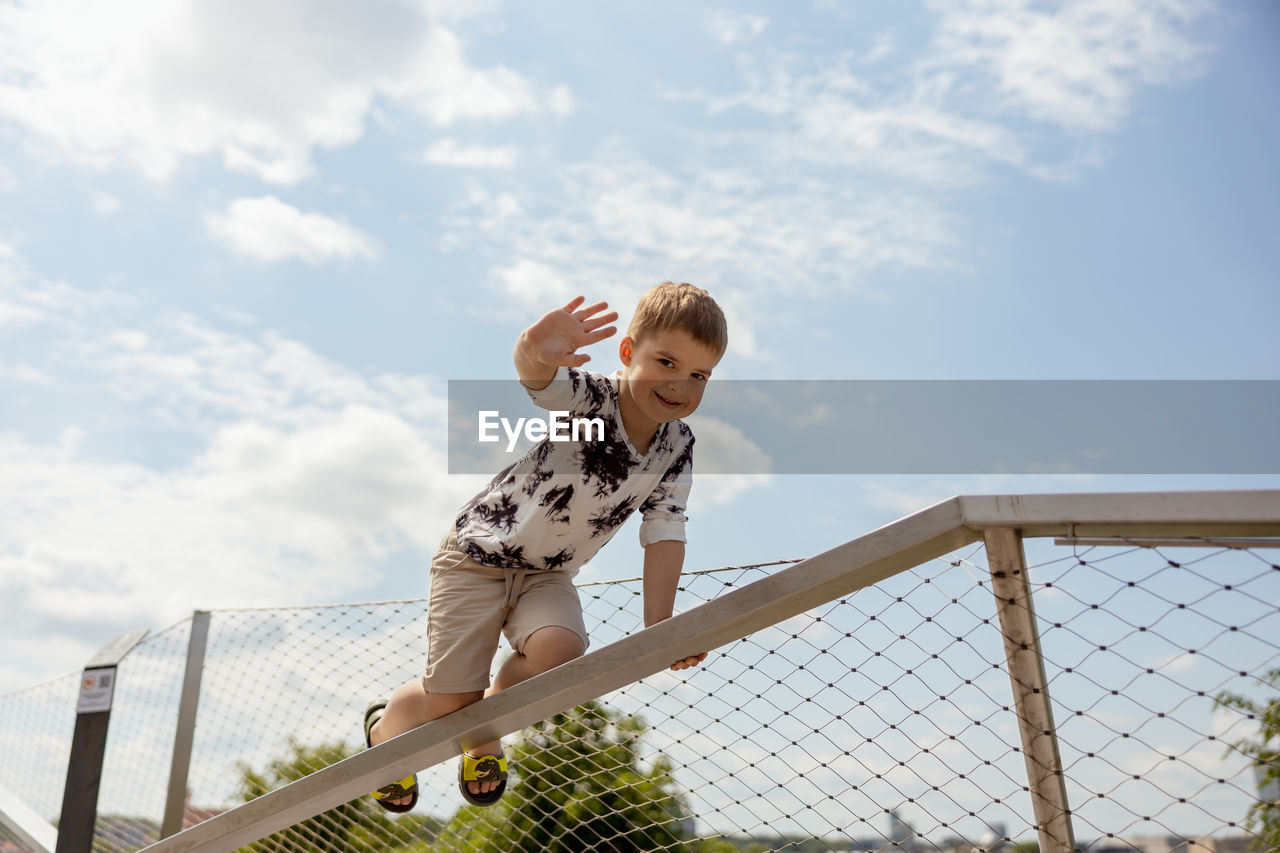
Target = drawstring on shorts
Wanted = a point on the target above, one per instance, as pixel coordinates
(515, 583)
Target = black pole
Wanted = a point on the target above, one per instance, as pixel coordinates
(84, 774)
(89, 745)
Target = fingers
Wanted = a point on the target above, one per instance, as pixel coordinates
(599, 335)
(596, 322)
(592, 327)
(584, 313)
(587, 316)
(574, 327)
(691, 661)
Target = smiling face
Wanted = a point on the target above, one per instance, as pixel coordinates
(664, 376)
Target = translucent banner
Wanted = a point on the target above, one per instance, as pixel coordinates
(914, 426)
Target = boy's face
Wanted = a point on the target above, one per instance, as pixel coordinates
(667, 373)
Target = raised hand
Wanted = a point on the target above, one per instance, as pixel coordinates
(556, 338)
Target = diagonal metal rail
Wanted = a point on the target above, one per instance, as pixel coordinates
(807, 584)
(30, 828)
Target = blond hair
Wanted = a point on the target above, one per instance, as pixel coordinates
(680, 306)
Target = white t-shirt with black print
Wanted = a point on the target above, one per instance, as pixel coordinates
(562, 501)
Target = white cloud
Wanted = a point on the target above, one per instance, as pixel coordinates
(960, 108)
(442, 86)
(1078, 64)
(533, 284)
(723, 447)
(459, 10)
(262, 83)
(883, 47)
(730, 27)
(22, 373)
(26, 299)
(841, 173)
(905, 500)
(267, 229)
(560, 101)
(447, 152)
(17, 315)
(825, 115)
(619, 224)
(263, 515)
(292, 477)
(104, 203)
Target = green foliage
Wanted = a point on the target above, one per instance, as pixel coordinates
(1263, 751)
(578, 783)
(360, 826)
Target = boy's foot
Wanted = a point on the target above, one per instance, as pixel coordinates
(399, 796)
(476, 776)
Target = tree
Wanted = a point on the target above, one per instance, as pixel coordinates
(360, 826)
(1263, 752)
(578, 784)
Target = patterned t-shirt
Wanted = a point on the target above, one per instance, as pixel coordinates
(556, 506)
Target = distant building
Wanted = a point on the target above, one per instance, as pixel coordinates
(1157, 843)
(13, 847)
(191, 814)
(1174, 844)
(1229, 844)
(994, 840)
(901, 835)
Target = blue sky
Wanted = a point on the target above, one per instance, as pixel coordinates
(244, 246)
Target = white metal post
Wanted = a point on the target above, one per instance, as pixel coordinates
(1012, 588)
(175, 803)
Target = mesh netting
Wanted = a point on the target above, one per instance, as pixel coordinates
(1138, 643)
(879, 720)
(36, 724)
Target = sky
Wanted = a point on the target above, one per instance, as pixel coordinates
(244, 247)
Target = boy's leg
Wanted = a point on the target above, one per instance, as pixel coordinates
(465, 615)
(545, 649)
(545, 628)
(411, 706)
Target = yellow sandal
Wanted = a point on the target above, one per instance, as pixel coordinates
(485, 768)
(406, 787)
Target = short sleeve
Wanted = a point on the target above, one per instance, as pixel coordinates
(663, 512)
(571, 390)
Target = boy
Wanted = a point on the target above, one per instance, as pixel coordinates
(508, 565)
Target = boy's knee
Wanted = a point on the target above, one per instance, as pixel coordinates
(447, 703)
(551, 646)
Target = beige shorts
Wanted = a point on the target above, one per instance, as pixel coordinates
(471, 603)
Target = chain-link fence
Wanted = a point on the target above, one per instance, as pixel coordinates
(35, 739)
(881, 720)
